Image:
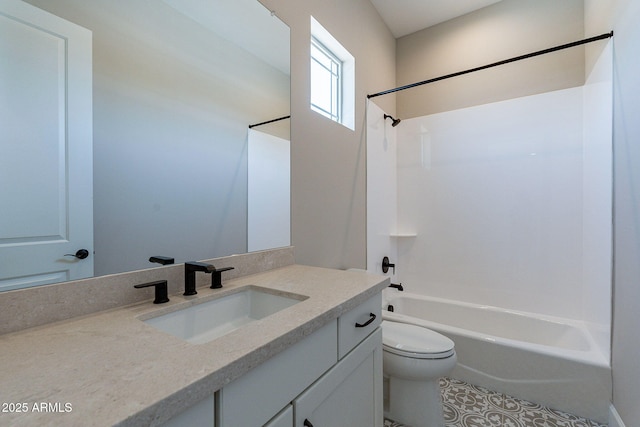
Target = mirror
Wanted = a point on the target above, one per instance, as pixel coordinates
(176, 84)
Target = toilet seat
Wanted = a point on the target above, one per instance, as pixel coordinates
(414, 341)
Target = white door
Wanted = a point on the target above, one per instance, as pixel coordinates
(46, 172)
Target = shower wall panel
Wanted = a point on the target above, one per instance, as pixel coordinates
(495, 194)
(381, 188)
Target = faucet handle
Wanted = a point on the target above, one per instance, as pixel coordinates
(386, 264)
(216, 277)
(161, 290)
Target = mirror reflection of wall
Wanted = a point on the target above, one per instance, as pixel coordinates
(172, 101)
(268, 224)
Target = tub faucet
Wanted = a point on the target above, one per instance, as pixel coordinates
(190, 269)
(397, 286)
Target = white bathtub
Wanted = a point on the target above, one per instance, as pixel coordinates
(546, 360)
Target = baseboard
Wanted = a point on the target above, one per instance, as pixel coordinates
(614, 418)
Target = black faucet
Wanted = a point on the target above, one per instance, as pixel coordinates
(190, 269)
(164, 260)
(397, 286)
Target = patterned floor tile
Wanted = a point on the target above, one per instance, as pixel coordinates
(467, 405)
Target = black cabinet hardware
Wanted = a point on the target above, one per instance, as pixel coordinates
(368, 322)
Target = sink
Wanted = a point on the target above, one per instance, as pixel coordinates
(206, 321)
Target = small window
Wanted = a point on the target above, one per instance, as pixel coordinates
(326, 81)
(332, 77)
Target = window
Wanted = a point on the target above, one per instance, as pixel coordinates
(326, 81)
(332, 77)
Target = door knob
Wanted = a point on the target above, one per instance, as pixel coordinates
(80, 254)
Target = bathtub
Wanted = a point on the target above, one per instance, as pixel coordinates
(542, 359)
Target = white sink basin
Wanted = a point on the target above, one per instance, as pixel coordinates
(204, 322)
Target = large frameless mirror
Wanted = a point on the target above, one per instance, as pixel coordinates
(175, 86)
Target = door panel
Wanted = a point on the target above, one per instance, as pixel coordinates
(46, 144)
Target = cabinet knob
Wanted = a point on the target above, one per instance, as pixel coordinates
(307, 423)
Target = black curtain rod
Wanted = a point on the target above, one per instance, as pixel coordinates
(270, 121)
(495, 64)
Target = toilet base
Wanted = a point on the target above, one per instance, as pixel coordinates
(415, 403)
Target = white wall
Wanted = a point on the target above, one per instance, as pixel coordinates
(269, 184)
(597, 203)
(382, 193)
(622, 16)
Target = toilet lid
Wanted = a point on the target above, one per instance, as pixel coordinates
(415, 341)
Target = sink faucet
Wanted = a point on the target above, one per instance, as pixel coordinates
(190, 269)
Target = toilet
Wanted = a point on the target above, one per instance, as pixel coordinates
(414, 358)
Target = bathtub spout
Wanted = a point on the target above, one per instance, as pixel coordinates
(397, 286)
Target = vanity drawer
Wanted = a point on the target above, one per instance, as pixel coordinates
(356, 325)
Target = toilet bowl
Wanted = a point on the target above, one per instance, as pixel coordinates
(413, 360)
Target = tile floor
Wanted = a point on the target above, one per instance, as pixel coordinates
(467, 405)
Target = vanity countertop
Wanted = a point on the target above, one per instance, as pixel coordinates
(111, 368)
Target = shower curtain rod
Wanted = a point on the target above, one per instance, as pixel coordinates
(270, 121)
(495, 64)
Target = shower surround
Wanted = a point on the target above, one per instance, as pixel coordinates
(505, 204)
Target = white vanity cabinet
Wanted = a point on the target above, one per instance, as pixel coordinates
(350, 394)
(331, 378)
(254, 398)
(283, 419)
(202, 414)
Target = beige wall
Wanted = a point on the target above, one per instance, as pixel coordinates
(328, 160)
(503, 30)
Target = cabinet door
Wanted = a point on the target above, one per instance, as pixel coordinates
(202, 414)
(254, 398)
(283, 419)
(350, 394)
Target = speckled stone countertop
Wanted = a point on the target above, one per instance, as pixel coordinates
(111, 368)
